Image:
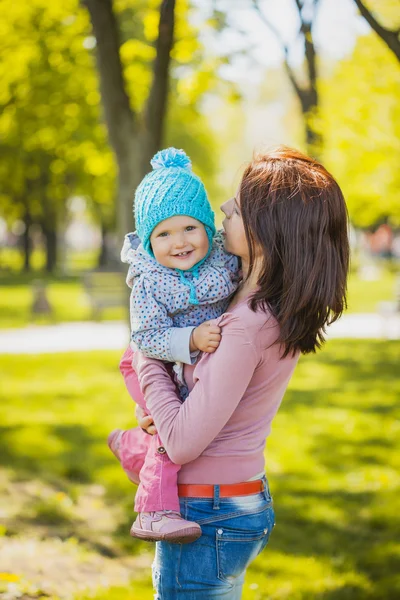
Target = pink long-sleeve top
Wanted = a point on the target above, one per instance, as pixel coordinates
(218, 434)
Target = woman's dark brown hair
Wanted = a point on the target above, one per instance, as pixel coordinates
(295, 215)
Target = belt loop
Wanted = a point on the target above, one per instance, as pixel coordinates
(216, 497)
(266, 487)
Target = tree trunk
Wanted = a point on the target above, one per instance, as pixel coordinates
(309, 108)
(308, 94)
(103, 254)
(309, 98)
(50, 235)
(389, 36)
(27, 242)
(132, 169)
(134, 144)
(157, 101)
(119, 116)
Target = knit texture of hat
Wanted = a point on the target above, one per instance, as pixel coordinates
(171, 189)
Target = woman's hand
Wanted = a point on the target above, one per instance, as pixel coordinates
(145, 421)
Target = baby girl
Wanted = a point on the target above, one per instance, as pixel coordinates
(181, 278)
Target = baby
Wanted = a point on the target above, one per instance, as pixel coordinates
(181, 277)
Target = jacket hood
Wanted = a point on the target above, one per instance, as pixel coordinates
(140, 262)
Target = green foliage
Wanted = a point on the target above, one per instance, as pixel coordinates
(53, 143)
(360, 123)
(332, 461)
(386, 12)
(192, 76)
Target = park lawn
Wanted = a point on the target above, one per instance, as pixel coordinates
(70, 303)
(12, 260)
(364, 296)
(67, 298)
(66, 294)
(332, 462)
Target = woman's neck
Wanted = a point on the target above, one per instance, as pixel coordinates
(248, 285)
(250, 282)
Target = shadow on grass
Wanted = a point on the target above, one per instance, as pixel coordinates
(334, 448)
(358, 541)
(374, 364)
(78, 460)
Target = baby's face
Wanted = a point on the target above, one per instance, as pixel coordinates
(179, 242)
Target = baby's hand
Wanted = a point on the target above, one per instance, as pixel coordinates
(206, 337)
(145, 421)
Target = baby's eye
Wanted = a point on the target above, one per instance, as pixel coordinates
(190, 227)
(163, 234)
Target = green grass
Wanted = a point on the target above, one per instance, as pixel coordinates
(66, 296)
(332, 460)
(365, 296)
(70, 303)
(12, 260)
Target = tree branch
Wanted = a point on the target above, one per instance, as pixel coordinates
(156, 103)
(5, 105)
(118, 113)
(390, 37)
(269, 25)
(299, 91)
(309, 51)
(299, 5)
(308, 94)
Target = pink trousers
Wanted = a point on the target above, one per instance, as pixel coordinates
(145, 454)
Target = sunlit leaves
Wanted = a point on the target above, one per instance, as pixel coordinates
(51, 136)
(53, 143)
(361, 128)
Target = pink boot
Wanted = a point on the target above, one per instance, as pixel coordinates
(114, 443)
(165, 526)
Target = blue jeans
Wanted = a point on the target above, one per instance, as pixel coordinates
(235, 531)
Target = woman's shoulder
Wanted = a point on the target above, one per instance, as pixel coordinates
(260, 326)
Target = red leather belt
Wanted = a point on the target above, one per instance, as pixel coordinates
(194, 490)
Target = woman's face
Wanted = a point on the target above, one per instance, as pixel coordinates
(235, 237)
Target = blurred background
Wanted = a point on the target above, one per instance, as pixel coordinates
(90, 91)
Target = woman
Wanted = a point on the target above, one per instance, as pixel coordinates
(288, 225)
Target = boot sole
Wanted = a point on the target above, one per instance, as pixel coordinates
(186, 536)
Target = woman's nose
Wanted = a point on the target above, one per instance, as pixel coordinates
(226, 207)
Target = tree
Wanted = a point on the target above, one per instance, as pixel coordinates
(134, 136)
(307, 93)
(391, 37)
(360, 117)
(52, 143)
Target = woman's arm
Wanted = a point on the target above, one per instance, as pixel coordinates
(220, 382)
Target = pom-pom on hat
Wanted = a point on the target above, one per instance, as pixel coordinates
(171, 189)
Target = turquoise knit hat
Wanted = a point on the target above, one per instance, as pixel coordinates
(171, 189)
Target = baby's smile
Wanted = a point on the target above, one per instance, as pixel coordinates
(179, 242)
